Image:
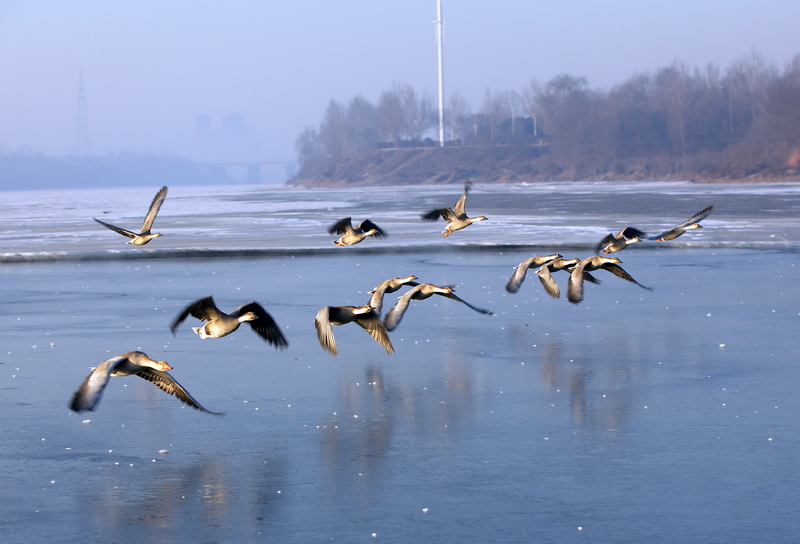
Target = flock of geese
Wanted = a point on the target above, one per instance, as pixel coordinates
(217, 323)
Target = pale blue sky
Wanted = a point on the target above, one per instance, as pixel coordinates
(150, 67)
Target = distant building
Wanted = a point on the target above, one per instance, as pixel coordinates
(232, 141)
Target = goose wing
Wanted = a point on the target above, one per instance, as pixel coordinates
(520, 271)
(155, 205)
(88, 394)
(451, 216)
(575, 284)
(620, 272)
(388, 286)
(170, 385)
(460, 208)
(548, 282)
(376, 298)
(699, 216)
(322, 322)
(366, 225)
(395, 314)
(204, 309)
(265, 326)
(453, 296)
(371, 323)
(433, 215)
(629, 233)
(342, 226)
(115, 228)
(587, 276)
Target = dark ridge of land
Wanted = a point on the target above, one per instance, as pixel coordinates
(498, 164)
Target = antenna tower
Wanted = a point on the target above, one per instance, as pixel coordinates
(439, 39)
(82, 142)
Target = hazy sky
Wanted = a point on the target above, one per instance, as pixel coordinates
(150, 67)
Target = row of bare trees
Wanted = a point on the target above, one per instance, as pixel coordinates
(678, 120)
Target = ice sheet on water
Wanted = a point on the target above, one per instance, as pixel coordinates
(259, 217)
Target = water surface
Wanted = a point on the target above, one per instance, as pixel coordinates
(637, 416)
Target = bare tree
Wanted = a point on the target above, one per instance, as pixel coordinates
(333, 129)
(362, 124)
(418, 111)
(391, 118)
(459, 117)
(495, 110)
(529, 95)
(310, 151)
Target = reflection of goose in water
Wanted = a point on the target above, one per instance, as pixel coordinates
(421, 292)
(145, 236)
(690, 224)
(363, 316)
(456, 217)
(521, 270)
(351, 236)
(596, 262)
(132, 363)
(617, 242)
(219, 324)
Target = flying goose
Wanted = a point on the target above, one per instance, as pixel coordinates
(456, 217)
(128, 364)
(421, 292)
(617, 242)
(219, 324)
(388, 286)
(363, 316)
(351, 236)
(521, 270)
(690, 224)
(145, 236)
(596, 262)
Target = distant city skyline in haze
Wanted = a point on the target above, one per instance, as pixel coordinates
(205, 79)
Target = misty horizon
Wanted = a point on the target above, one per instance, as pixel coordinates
(278, 67)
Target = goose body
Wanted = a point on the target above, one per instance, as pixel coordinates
(388, 286)
(455, 217)
(690, 224)
(353, 235)
(596, 262)
(521, 270)
(421, 292)
(363, 316)
(143, 237)
(219, 324)
(131, 363)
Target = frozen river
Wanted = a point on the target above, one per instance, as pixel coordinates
(636, 416)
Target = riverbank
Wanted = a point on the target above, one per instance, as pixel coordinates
(503, 164)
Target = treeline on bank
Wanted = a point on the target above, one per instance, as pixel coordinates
(736, 123)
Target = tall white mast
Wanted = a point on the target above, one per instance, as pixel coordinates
(439, 23)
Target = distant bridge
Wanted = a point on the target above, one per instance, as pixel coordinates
(256, 171)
